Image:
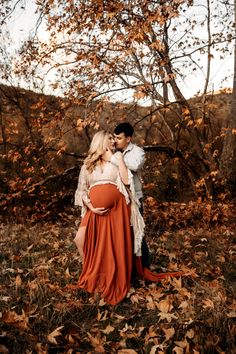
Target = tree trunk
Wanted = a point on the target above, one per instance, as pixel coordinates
(228, 157)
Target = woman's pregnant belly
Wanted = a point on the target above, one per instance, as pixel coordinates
(104, 196)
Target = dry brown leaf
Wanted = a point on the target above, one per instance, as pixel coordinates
(70, 339)
(30, 247)
(156, 293)
(56, 333)
(177, 283)
(208, 303)
(182, 343)
(97, 342)
(169, 332)
(18, 281)
(108, 329)
(151, 334)
(153, 349)
(184, 305)
(189, 271)
(102, 316)
(178, 350)
(220, 258)
(20, 321)
(151, 304)
(139, 95)
(184, 292)
(135, 298)
(190, 333)
(130, 292)
(39, 349)
(165, 305)
(70, 351)
(167, 316)
(67, 273)
(102, 302)
(127, 351)
(231, 314)
(5, 298)
(130, 332)
(233, 305)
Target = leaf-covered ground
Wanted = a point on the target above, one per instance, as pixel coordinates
(41, 311)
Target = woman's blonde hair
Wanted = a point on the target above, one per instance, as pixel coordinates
(97, 148)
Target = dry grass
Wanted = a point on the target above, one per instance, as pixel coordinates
(41, 311)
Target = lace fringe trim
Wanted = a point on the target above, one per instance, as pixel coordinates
(137, 221)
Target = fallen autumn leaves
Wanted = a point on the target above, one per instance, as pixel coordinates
(41, 311)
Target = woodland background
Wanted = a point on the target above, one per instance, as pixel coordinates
(94, 50)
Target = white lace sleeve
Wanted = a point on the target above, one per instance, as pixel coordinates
(137, 221)
(81, 193)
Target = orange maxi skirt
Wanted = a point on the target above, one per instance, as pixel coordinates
(108, 248)
(107, 264)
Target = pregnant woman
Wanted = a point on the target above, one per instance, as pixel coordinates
(110, 234)
(104, 237)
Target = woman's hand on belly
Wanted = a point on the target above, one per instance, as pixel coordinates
(100, 211)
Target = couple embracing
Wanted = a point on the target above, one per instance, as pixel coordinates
(110, 238)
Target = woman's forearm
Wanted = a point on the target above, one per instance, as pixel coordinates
(89, 206)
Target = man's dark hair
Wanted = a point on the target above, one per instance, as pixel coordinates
(125, 128)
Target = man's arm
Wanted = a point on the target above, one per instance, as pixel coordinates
(135, 158)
